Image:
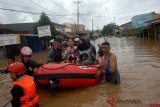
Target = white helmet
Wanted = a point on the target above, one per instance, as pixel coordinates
(51, 41)
(76, 39)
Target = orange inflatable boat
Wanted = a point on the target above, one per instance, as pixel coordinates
(68, 75)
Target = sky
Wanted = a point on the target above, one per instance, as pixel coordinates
(101, 12)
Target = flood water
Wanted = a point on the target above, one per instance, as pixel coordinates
(139, 66)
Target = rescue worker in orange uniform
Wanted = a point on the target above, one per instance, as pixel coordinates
(24, 89)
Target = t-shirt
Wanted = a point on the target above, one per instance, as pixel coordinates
(30, 66)
(17, 92)
(56, 55)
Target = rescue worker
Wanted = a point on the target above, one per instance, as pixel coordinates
(24, 89)
(30, 65)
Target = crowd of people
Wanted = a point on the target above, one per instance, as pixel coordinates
(76, 50)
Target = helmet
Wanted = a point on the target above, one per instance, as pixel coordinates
(26, 51)
(76, 39)
(16, 67)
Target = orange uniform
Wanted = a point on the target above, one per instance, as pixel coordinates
(30, 97)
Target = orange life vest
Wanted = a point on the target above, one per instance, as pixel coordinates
(30, 96)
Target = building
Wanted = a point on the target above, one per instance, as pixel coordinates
(145, 25)
(73, 28)
(126, 30)
(68, 28)
(153, 28)
(27, 28)
(126, 26)
(12, 47)
(138, 20)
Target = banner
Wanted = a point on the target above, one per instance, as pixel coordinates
(9, 39)
(44, 31)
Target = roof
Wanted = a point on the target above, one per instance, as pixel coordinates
(21, 26)
(153, 22)
(25, 26)
(126, 24)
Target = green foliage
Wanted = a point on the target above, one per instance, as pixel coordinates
(109, 28)
(44, 21)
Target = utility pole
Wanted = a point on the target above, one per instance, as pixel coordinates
(114, 27)
(92, 25)
(77, 2)
(75, 29)
(97, 29)
(92, 28)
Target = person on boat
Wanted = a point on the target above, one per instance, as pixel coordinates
(30, 65)
(24, 89)
(56, 53)
(86, 52)
(50, 45)
(69, 53)
(11, 59)
(109, 62)
(76, 40)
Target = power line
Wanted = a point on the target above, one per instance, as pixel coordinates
(27, 12)
(41, 6)
(85, 23)
(58, 4)
(19, 11)
(18, 5)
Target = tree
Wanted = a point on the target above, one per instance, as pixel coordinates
(109, 28)
(43, 21)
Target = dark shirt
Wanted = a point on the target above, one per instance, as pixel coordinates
(100, 52)
(86, 51)
(30, 66)
(56, 55)
(17, 93)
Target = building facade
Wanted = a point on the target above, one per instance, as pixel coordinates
(74, 28)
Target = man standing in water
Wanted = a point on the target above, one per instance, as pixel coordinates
(110, 64)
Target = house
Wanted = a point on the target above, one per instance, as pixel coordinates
(27, 28)
(126, 26)
(73, 28)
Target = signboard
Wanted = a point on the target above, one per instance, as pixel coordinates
(9, 39)
(44, 31)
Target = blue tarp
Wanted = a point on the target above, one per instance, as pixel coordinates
(34, 43)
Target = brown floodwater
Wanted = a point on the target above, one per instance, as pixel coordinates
(139, 66)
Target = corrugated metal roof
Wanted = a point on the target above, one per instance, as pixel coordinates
(25, 26)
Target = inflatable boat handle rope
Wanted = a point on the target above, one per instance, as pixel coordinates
(72, 64)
